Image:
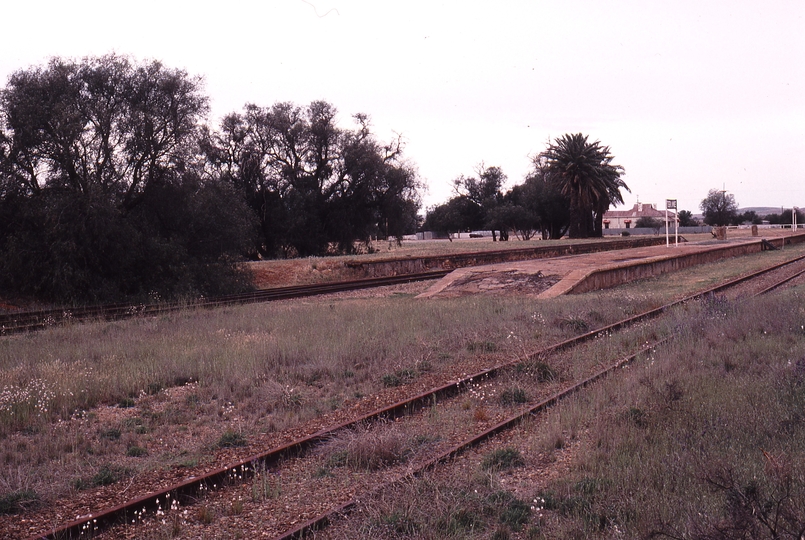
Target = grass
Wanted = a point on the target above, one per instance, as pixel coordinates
(700, 439)
(261, 368)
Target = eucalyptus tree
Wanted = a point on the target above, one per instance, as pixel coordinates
(719, 208)
(100, 190)
(485, 191)
(584, 173)
(316, 187)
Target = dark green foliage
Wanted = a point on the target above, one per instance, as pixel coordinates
(545, 209)
(111, 434)
(17, 501)
(542, 371)
(126, 403)
(649, 222)
(459, 214)
(399, 377)
(686, 219)
(231, 439)
(107, 475)
(482, 346)
(513, 396)
(96, 204)
(136, 451)
(583, 172)
(719, 208)
(315, 188)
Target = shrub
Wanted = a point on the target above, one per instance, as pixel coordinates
(231, 439)
(108, 474)
(17, 501)
(370, 450)
(513, 396)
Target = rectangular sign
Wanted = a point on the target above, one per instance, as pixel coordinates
(670, 204)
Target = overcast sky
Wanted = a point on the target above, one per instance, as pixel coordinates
(688, 95)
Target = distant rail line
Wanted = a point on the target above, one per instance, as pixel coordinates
(27, 321)
(189, 489)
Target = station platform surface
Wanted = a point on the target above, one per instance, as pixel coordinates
(551, 277)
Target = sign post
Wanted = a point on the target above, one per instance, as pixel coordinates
(670, 204)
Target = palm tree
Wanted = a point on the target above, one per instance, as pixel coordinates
(584, 173)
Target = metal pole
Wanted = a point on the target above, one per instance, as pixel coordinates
(676, 227)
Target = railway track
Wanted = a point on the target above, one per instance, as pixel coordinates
(258, 466)
(35, 320)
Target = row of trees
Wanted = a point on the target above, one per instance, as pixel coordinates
(570, 187)
(721, 208)
(112, 185)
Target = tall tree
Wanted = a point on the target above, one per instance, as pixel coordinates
(102, 125)
(313, 185)
(545, 201)
(584, 173)
(100, 193)
(686, 219)
(719, 208)
(485, 191)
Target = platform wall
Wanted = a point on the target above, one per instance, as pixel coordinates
(613, 276)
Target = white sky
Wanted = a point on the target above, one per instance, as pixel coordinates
(688, 95)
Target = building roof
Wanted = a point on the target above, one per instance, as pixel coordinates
(637, 211)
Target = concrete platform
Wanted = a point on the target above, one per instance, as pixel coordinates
(548, 278)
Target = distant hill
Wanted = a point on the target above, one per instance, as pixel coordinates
(762, 210)
(759, 210)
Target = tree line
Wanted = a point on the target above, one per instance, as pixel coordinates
(721, 208)
(569, 188)
(112, 186)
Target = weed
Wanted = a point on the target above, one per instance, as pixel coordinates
(231, 439)
(110, 434)
(572, 322)
(502, 458)
(206, 515)
(399, 523)
(542, 371)
(459, 521)
(370, 450)
(18, 501)
(136, 451)
(236, 508)
(322, 472)
(265, 485)
(480, 414)
(513, 396)
(637, 417)
(154, 388)
(126, 403)
(482, 346)
(399, 377)
(107, 475)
